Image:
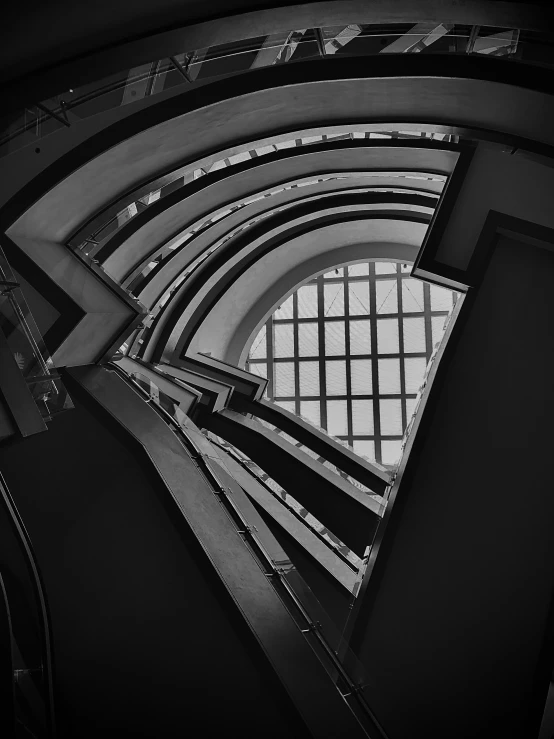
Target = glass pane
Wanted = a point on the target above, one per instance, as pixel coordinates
(358, 298)
(336, 377)
(415, 369)
(360, 377)
(333, 300)
(438, 325)
(259, 346)
(284, 378)
(337, 418)
(365, 448)
(500, 42)
(441, 298)
(414, 334)
(288, 405)
(307, 301)
(283, 340)
(285, 309)
(412, 296)
(362, 417)
(385, 268)
(309, 378)
(387, 296)
(308, 340)
(334, 338)
(360, 337)
(338, 272)
(387, 336)
(311, 411)
(390, 451)
(391, 417)
(389, 376)
(335, 37)
(258, 368)
(356, 270)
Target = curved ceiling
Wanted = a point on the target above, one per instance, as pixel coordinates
(205, 213)
(228, 329)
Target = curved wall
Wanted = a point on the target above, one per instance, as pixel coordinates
(250, 300)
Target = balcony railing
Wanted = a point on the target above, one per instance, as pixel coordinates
(25, 343)
(349, 675)
(196, 66)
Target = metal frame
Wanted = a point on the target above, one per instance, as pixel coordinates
(90, 66)
(372, 319)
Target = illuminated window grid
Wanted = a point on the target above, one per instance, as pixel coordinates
(342, 277)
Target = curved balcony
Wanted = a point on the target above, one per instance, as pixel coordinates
(195, 67)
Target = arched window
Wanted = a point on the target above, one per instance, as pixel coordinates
(348, 351)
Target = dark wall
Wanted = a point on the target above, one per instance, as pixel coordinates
(457, 623)
(146, 641)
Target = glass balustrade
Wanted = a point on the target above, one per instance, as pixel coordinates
(143, 274)
(27, 346)
(325, 463)
(194, 67)
(92, 236)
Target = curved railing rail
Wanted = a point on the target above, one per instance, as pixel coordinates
(137, 343)
(286, 499)
(91, 235)
(195, 67)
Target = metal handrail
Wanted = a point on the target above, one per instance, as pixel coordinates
(64, 106)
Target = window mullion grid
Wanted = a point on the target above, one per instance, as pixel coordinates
(296, 354)
(428, 322)
(349, 430)
(321, 336)
(270, 356)
(401, 348)
(374, 361)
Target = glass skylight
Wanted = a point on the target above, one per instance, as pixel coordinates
(348, 352)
